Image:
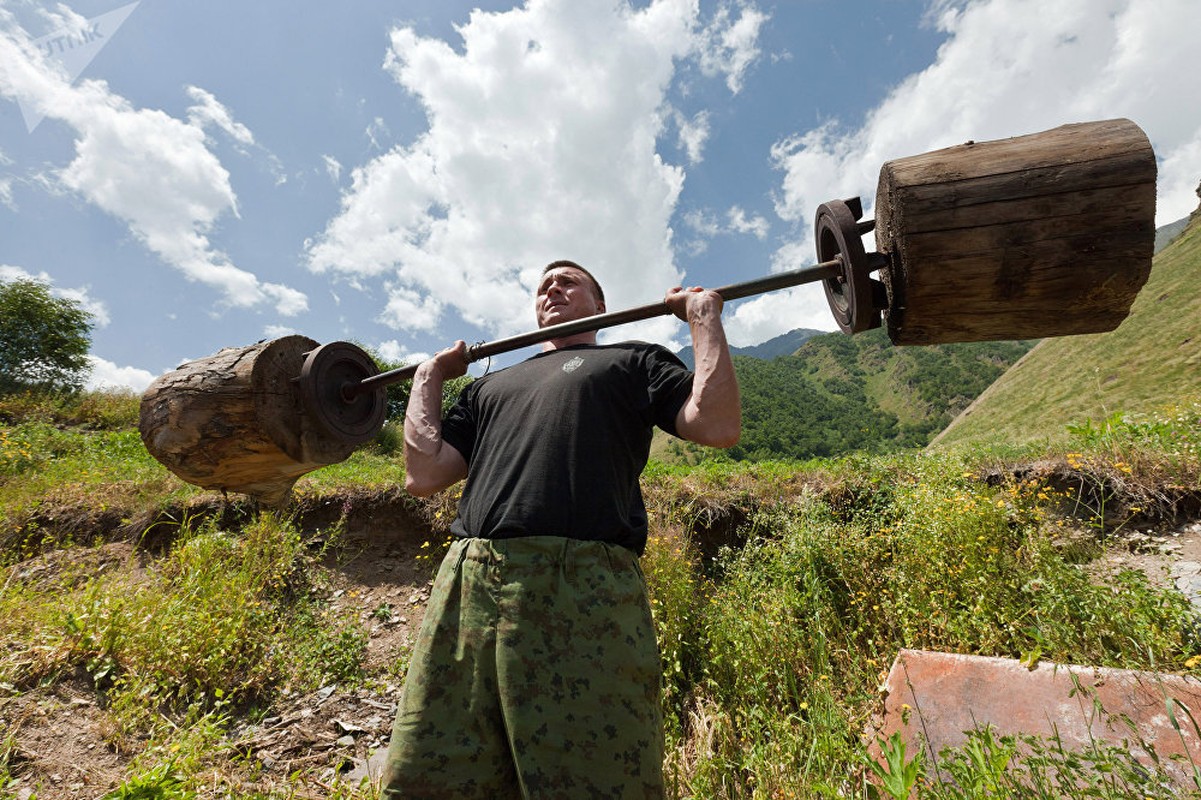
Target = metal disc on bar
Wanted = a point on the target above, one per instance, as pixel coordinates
(851, 295)
(327, 371)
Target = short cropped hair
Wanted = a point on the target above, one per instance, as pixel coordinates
(596, 287)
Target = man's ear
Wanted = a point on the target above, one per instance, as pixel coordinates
(600, 304)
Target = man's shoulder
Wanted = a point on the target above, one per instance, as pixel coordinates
(639, 346)
(629, 352)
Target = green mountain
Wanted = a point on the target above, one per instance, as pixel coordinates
(839, 394)
(1151, 362)
(1167, 234)
(783, 345)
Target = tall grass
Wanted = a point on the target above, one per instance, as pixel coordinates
(773, 648)
(775, 651)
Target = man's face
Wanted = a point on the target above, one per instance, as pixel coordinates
(565, 294)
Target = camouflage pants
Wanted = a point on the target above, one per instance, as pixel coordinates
(535, 675)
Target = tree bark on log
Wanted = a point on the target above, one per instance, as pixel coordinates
(234, 421)
(1049, 234)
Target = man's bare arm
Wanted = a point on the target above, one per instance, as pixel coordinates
(430, 463)
(712, 415)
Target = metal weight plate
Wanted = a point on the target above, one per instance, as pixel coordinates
(851, 295)
(327, 371)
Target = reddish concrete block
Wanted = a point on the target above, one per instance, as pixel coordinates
(936, 698)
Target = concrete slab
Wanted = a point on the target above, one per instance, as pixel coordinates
(935, 698)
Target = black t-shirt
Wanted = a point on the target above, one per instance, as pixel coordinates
(555, 444)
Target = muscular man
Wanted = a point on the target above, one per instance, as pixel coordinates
(536, 672)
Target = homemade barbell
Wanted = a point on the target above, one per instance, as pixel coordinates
(1049, 234)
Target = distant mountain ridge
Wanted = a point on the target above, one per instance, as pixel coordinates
(1167, 234)
(783, 345)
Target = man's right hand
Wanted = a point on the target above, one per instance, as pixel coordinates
(451, 362)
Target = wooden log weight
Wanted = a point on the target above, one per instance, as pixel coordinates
(235, 421)
(1049, 234)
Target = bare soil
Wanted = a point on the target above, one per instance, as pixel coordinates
(62, 745)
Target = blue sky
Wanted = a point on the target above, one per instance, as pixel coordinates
(397, 173)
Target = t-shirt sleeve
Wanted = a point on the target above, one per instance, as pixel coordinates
(669, 383)
(458, 426)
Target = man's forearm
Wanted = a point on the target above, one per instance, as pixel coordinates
(713, 413)
(430, 464)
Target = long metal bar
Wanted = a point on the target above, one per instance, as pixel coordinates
(820, 272)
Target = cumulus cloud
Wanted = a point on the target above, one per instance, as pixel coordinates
(106, 375)
(1008, 67)
(1011, 67)
(540, 145)
(144, 167)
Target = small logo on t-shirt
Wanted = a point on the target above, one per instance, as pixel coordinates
(573, 364)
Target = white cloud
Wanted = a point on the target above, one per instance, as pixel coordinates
(333, 168)
(706, 225)
(755, 321)
(540, 145)
(739, 222)
(208, 111)
(376, 132)
(410, 310)
(144, 167)
(693, 133)
(703, 222)
(277, 331)
(78, 295)
(107, 375)
(63, 20)
(1011, 67)
(732, 44)
(760, 318)
(394, 352)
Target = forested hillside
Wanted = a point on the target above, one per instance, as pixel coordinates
(838, 394)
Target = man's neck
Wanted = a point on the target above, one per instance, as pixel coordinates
(587, 337)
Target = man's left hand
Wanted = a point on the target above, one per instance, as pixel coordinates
(689, 302)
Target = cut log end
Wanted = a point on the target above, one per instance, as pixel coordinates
(1049, 234)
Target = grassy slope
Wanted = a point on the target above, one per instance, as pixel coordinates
(1151, 361)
